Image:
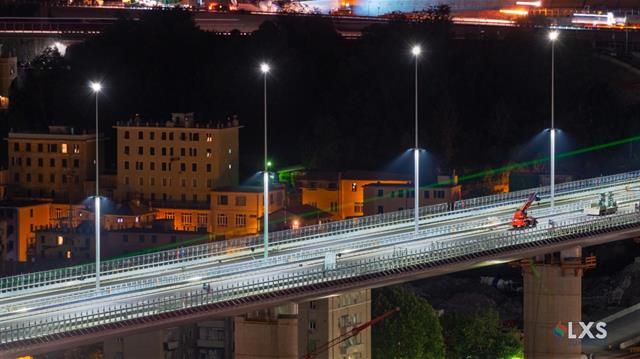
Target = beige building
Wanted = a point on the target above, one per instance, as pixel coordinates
(383, 197)
(320, 321)
(178, 161)
(270, 333)
(238, 210)
(51, 165)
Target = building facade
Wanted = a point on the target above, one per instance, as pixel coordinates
(178, 161)
(342, 193)
(237, 211)
(19, 221)
(382, 198)
(322, 320)
(51, 165)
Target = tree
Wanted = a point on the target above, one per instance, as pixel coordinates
(480, 336)
(413, 333)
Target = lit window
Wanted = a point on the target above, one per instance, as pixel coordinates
(76, 148)
(222, 220)
(229, 165)
(209, 138)
(208, 153)
(68, 255)
(241, 220)
(120, 220)
(354, 187)
(64, 148)
(229, 150)
(60, 240)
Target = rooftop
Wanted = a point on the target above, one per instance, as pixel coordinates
(182, 120)
(319, 175)
(54, 132)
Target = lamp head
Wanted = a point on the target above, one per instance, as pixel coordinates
(96, 87)
(264, 67)
(416, 50)
(553, 35)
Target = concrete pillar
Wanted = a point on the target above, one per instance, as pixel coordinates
(268, 334)
(552, 297)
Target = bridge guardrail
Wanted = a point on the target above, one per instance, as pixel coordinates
(56, 325)
(201, 251)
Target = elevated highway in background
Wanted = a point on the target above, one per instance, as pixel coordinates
(47, 310)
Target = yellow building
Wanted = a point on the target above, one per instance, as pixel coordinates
(178, 161)
(342, 193)
(20, 220)
(51, 165)
(237, 211)
(192, 218)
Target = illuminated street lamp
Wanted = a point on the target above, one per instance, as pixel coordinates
(264, 68)
(553, 36)
(96, 87)
(416, 50)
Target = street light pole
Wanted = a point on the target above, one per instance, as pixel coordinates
(553, 36)
(265, 69)
(416, 50)
(96, 87)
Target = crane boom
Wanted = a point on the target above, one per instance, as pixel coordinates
(352, 333)
(529, 201)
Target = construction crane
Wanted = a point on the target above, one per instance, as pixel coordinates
(350, 334)
(521, 219)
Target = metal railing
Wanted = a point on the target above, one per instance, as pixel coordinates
(203, 251)
(544, 191)
(57, 324)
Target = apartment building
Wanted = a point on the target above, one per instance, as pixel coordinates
(342, 193)
(237, 210)
(324, 319)
(19, 221)
(53, 165)
(384, 197)
(177, 161)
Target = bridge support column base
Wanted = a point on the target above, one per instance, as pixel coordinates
(552, 298)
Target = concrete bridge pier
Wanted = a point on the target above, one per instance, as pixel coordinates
(552, 299)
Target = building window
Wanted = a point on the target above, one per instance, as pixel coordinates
(380, 193)
(52, 178)
(186, 218)
(194, 167)
(63, 148)
(16, 147)
(380, 209)
(208, 167)
(164, 166)
(152, 151)
(76, 149)
(170, 136)
(241, 200)
(312, 324)
(140, 135)
(358, 207)
(170, 215)
(40, 162)
(27, 147)
(68, 255)
(183, 167)
(354, 187)
(203, 219)
(152, 135)
(183, 152)
(209, 138)
(426, 194)
(223, 199)
(119, 220)
(53, 148)
(222, 220)
(126, 135)
(139, 165)
(164, 151)
(126, 150)
(40, 178)
(140, 150)
(152, 166)
(76, 163)
(194, 182)
(52, 162)
(126, 165)
(152, 181)
(126, 180)
(60, 240)
(241, 220)
(208, 153)
(183, 136)
(28, 161)
(163, 136)
(438, 194)
(40, 147)
(400, 193)
(334, 206)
